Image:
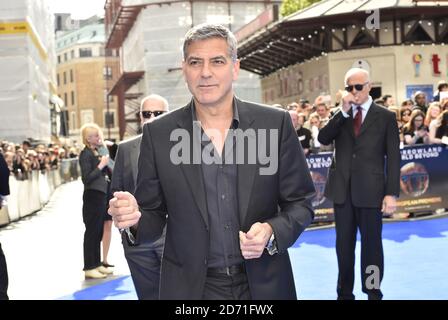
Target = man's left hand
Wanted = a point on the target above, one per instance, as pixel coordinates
(389, 204)
(254, 241)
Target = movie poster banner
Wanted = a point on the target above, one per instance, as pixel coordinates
(319, 165)
(423, 181)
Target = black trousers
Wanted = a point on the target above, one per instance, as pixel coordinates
(3, 276)
(225, 287)
(144, 262)
(349, 219)
(94, 205)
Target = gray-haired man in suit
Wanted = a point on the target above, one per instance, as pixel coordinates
(143, 260)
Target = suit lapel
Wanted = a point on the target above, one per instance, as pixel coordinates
(193, 172)
(246, 171)
(349, 124)
(135, 151)
(371, 116)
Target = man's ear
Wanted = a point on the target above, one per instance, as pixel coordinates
(236, 69)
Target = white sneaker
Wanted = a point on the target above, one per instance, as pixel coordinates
(105, 270)
(94, 274)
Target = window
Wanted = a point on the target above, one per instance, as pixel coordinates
(72, 54)
(73, 120)
(73, 98)
(107, 73)
(58, 80)
(65, 57)
(109, 119)
(111, 97)
(71, 75)
(65, 99)
(65, 77)
(59, 23)
(85, 52)
(87, 116)
(59, 59)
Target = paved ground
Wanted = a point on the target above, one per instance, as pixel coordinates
(44, 251)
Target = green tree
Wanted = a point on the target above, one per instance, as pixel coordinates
(290, 6)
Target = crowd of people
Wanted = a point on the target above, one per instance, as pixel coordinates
(27, 156)
(419, 120)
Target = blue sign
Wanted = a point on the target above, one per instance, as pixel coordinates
(426, 88)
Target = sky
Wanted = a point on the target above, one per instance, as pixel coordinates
(80, 9)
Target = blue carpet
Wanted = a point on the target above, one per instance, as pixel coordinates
(117, 289)
(416, 257)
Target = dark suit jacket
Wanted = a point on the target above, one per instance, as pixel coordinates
(92, 177)
(4, 177)
(370, 163)
(282, 199)
(125, 169)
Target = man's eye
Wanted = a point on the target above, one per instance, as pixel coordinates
(194, 63)
(218, 61)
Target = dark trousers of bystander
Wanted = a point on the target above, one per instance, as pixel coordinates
(3, 276)
(349, 219)
(94, 206)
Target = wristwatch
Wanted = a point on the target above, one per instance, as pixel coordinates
(271, 246)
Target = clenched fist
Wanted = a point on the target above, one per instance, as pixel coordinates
(124, 210)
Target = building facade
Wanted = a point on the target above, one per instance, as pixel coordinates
(149, 35)
(403, 44)
(85, 73)
(27, 61)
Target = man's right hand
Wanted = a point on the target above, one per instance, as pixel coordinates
(347, 100)
(124, 210)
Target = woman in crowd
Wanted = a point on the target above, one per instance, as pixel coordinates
(407, 104)
(415, 132)
(405, 117)
(432, 113)
(95, 180)
(440, 129)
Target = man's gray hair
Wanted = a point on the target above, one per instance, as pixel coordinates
(154, 97)
(354, 71)
(206, 31)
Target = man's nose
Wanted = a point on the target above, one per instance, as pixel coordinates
(206, 71)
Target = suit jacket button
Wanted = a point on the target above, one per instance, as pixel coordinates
(354, 156)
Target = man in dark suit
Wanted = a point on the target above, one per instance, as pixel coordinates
(229, 222)
(4, 191)
(144, 260)
(363, 181)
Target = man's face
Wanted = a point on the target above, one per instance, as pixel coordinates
(389, 102)
(362, 95)
(294, 118)
(152, 105)
(321, 111)
(209, 71)
(420, 100)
